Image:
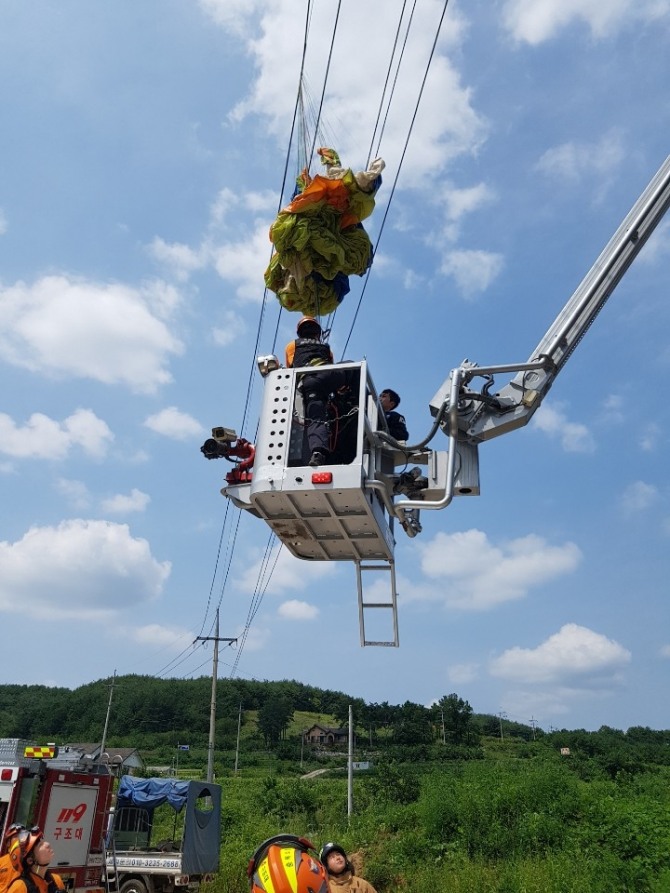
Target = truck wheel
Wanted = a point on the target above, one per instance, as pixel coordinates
(133, 885)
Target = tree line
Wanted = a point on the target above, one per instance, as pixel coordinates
(147, 712)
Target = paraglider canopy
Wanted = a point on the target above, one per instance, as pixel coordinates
(319, 239)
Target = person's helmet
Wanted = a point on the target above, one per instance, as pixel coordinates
(20, 842)
(329, 848)
(287, 864)
(308, 325)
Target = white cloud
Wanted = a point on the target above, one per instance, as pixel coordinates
(613, 409)
(71, 328)
(473, 271)
(179, 258)
(535, 21)
(658, 246)
(171, 422)
(578, 160)
(231, 327)
(243, 262)
(155, 634)
(461, 674)
(465, 201)
(297, 610)
(478, 575)
(76, 492)
(573, 436)
(639, 496)
(135, 501)
(44, 438)
(446, 124)
(232, 14)
(287, 574)
(78, 569)
(238, 251)
(665, 651)
(649, 437)
(573, 652)
(4, 226)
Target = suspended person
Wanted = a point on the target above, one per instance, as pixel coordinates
(395, 422)
(30, 855)
(341, 875)
(309, 350)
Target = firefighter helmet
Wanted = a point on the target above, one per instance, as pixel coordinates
(287, 864)
(20, 842)
(308, 324)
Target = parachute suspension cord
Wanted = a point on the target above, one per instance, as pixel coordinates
(259, 328)
(308, 119)
(397, 175)
(395, 80)
(325, 78)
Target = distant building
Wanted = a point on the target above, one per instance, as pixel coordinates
(318, 734)
(126, 757)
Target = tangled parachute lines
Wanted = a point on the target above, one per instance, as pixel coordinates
(319, 239)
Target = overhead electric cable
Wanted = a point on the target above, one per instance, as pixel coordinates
(388, 75)
(395, 79)
(400, 164)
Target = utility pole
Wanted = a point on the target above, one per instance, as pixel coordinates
(444, 734)
(237, 745)
(109, 708)
(533, 723)
(212, 708)
(350, 773)
(502, 715)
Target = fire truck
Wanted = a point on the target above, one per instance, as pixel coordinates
(67, 797)
(106, 836)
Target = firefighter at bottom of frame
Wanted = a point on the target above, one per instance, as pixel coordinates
(30, 855)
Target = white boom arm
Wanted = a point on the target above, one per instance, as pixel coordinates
(480, 416)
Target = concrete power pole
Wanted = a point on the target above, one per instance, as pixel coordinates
(502, 715)
(212, 707)
(350, 773)
(109, 710)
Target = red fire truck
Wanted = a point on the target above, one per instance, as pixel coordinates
(66, 797)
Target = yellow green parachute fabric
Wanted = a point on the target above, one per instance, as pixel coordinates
(319, 239)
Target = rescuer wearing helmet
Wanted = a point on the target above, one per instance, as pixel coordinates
(341, 875)
(308, 349)
(286, 864)
(31, 854)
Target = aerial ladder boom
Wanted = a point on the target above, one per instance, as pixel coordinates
(480, 415)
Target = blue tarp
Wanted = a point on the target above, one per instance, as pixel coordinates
(202, 818)
(152, 792)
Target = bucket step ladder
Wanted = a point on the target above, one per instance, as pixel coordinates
(390, 605)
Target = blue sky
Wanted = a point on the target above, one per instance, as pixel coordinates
(142, 163)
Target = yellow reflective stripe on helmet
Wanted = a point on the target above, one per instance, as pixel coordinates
(265, 877)
(288, 857)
